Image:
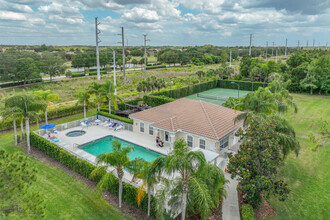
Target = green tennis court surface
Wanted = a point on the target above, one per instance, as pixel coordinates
(218, 93)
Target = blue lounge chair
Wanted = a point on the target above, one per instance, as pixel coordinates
(113, 126)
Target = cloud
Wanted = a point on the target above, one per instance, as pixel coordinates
(141, 15)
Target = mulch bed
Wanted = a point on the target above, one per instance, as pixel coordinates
(265, 210)
(126, 208)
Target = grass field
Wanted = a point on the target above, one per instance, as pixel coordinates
(308, 175)
(65, 196)
(219, 93)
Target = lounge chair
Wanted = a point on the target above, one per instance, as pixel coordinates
(113, 126)
(121, 126)
(108, 124)
(105, 122)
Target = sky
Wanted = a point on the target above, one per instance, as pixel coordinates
(166, 22)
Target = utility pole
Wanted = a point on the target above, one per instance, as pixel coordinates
(126, 42)
(313, 43)
(230, 58)
(273, 50)
(122, 41)
(298, 44)
(286, 46)
(145, 56)
(114, 71)
(250, 45)
(97, 32)
(266, 48)
(307, 44)
(276, 55)
(326, 46)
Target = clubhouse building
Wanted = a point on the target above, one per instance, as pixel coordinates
(200, 124)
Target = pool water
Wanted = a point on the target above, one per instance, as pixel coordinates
(104, 145)
(75, 133)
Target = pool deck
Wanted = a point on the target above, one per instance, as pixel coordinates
(95, 132)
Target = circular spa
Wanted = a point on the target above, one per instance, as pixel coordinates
(75, 133)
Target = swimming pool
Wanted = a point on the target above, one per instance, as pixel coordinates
(104, 145)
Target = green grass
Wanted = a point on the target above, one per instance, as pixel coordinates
(307, 175)
(65, 197)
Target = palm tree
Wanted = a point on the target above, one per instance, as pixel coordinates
(282, 96)
(200, 74)
(97, 89)
(11, 113)
(118, 159)
(83, 98)
(150, 174)
(160, 83)
(48, 97)
(27, 106)
(109, 94)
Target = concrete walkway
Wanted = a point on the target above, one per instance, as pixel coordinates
(230, 208)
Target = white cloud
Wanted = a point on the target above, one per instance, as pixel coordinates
(141, 15)
(8, 15)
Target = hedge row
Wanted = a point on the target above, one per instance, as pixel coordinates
(122, 106)
(94, 73)
(155, 67)
(154, 101)
(85, 168)
(247, 212)
(243, 85)
(51, 114)
(77, 75)
(9, 84)
(116, 117)
(188, 90)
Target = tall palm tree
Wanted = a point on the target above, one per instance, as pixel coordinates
(83, 98)
(27, 106)
(97, 90)
(150, 174)
(283, 99)
(118, 159)
(109, 94)
(48, 97)
(11, 113)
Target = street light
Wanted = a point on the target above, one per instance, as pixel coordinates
(171, 85)
(251, 81)
(237, 86)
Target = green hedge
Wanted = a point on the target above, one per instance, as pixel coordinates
(185, 91)
(77, 75)
(247, 212)
(51, 114)
(153, 101)
(85, 168)
(155, 67)
(116, 117)
(9, 84)
(122, 106)
(94, 73)
(243, 85)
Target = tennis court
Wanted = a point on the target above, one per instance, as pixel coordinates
(217, 96)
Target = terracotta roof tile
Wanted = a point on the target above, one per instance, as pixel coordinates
(192, 116)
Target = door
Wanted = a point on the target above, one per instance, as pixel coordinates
(167, 136)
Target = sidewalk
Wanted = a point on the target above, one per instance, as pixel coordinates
(230, 208)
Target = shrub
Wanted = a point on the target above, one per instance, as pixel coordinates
(68, 74)
(156, 100)
(73, 75)
(9, 84)
(122, 106)
(116, 117)
(85, 168)
(155, 67)
(247, 212)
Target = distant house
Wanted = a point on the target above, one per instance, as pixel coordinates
(200, 124)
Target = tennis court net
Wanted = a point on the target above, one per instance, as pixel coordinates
(212, 97)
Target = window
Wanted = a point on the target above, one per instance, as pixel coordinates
(141, 127)
(224, 142)
(211, 147)
(202, 143)
(190, 141)
(151, 130)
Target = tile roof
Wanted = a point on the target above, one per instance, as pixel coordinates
(192, 116)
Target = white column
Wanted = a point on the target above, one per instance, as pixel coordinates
(172, 140)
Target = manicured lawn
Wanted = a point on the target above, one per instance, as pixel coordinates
(65, 197)
(308, 175)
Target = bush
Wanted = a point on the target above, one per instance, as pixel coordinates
(68, 74)
(155, 67)
(156, 100)
(85, 168)
(9, 84)
(122, 106)
(116, 117)
(247, 212)
(243, 85)
(94, 72)
(73, 75)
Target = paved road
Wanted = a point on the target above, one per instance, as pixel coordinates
(230, 208)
